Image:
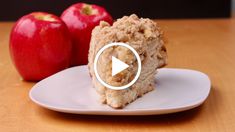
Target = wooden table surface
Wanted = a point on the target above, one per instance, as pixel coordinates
(204, 45)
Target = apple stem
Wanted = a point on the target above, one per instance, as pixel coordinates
(44, 17)
(88, 10)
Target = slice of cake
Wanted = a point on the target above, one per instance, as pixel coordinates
(146, 38)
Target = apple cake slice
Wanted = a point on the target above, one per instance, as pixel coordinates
(146, 38)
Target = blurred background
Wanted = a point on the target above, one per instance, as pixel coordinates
(11, 10)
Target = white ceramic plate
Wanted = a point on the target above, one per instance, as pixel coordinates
(71, 91)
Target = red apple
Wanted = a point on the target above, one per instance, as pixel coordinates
(40, 45)
(81, 18)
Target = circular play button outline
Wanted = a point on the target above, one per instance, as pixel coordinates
(115, 87)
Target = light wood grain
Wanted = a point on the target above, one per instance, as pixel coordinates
(205, 45)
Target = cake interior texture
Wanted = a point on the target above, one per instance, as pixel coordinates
(145, 36)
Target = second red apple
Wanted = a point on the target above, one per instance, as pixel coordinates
(81, 18)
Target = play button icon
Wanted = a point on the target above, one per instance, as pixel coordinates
(118, 66)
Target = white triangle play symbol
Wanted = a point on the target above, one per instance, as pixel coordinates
(118, 66)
